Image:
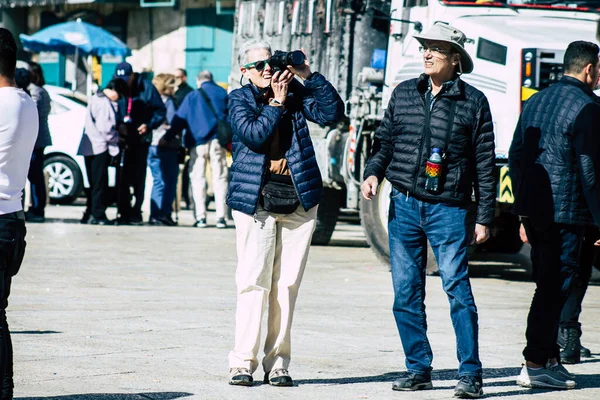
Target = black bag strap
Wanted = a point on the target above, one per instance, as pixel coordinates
(209, 103)
(453, 104)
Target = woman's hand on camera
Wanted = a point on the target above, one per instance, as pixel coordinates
(280, 83)
(303, 71)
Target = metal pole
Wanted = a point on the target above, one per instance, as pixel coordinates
(74, 83)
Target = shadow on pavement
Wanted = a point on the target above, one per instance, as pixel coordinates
(583, 381)
(443, 375)
(348, 243)
(113, 396)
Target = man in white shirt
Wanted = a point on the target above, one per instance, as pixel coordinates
(18, 132)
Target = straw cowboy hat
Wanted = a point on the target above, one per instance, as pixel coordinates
(443, 32)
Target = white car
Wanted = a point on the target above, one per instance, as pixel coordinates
(66, 170)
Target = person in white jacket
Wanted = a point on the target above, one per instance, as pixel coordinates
(99, 143)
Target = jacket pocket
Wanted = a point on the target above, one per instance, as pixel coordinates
(458, 176)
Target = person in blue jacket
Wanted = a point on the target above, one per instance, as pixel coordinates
(143, 111)
(199, 115)
(274, 192)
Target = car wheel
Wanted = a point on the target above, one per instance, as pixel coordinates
(65, 181)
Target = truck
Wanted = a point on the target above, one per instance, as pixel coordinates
(365, 48)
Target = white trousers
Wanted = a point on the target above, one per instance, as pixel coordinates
(272, 250)
(212, 153)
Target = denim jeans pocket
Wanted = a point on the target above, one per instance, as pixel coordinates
(395, 193)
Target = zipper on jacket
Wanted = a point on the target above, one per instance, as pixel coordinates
(423, 139)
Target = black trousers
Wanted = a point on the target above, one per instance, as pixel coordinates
(38, 182)
(555, 254)
(97, 174)
(133, 176)
(569, 318)
(12, 250)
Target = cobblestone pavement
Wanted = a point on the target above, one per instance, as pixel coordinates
(104, 312)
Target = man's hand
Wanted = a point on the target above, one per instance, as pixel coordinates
(524, 239)
(303, 71)
(280, 83)
(143, 129)
(369, 187)
(482, 233)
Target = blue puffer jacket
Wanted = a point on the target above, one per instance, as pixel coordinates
(253, 124)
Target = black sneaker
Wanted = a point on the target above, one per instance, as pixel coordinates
(468, 387)
(279, 377)
(413, 382)
(240, 377)
(85, 218)
(31, 217)
(162, 221)
(99, 221)
(136, 220)
(201, 223)
(221, 223)
(123, 221)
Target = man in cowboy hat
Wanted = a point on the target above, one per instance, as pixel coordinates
(435, 113)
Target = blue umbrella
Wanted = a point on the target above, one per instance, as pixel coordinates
(75, 37)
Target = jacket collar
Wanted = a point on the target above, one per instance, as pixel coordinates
(456, 89)
(569, 80)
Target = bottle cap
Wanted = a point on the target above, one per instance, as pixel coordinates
(436, 150)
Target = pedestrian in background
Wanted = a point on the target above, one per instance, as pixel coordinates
(143, 110)
(182, 88)
(36, 168)
(23, 79)
(273, 152)
(99, 144)
(439, 116)
(553, 159)
(162, 158)
(19, 127)
(199, 115)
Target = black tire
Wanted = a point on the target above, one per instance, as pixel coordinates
(327, 216)
(374, 220)
(66, 182)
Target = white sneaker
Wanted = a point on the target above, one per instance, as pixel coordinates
(543, 378)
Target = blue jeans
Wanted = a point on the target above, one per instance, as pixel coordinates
(165, 170)
(411, 223)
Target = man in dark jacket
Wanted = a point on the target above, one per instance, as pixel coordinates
(183, 89)
(554, 159)
(272, 149)
(199, 116)
(143, 111)
(435, 113)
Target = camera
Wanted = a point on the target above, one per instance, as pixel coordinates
(281, 59)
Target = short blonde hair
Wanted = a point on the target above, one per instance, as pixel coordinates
(164, 82)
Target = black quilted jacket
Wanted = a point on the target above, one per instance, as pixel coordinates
(408, 133)
(544, 167)
(253, 125)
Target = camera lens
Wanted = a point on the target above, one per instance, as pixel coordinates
(296, 58)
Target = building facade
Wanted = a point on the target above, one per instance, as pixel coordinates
(162, 34)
